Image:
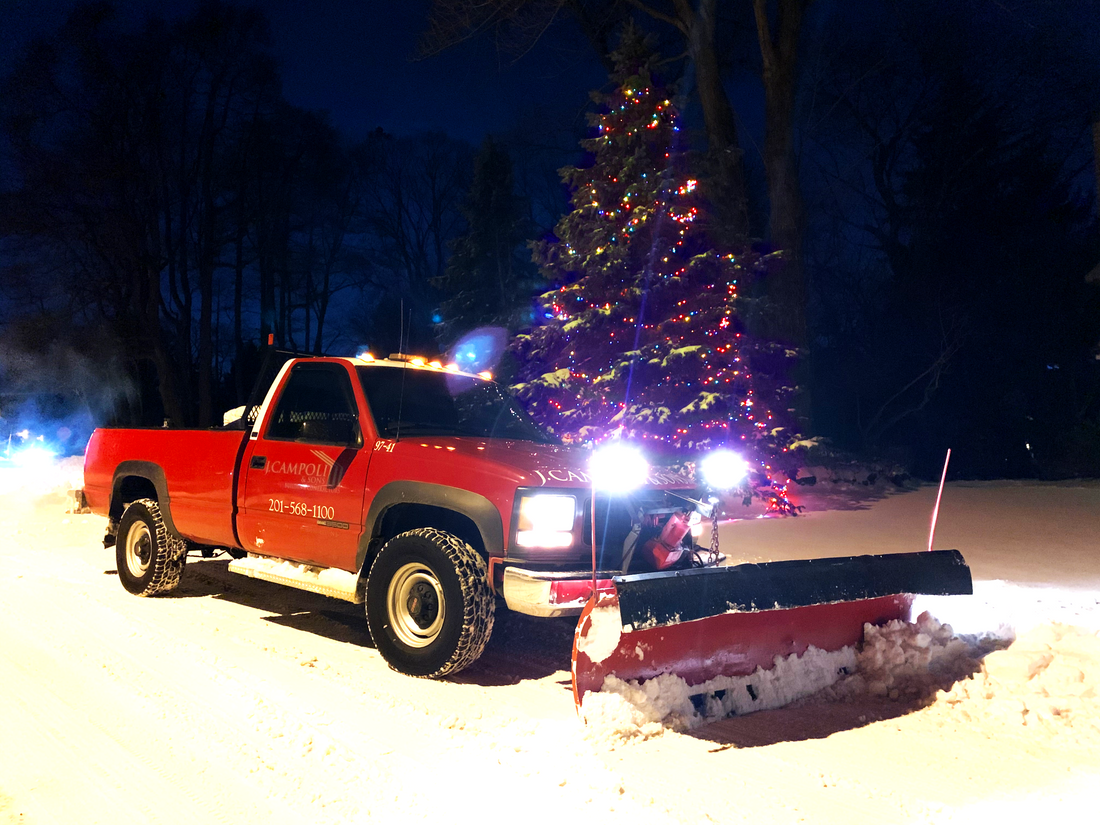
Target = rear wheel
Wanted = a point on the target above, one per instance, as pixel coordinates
(429, 606)
(149, 559)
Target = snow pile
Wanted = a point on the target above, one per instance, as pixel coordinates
(624, 710)
(900, 661)
(1049, 677)
(906, 661)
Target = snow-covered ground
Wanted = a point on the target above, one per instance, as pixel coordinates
(235, 700)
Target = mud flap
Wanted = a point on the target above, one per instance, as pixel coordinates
(728, 621)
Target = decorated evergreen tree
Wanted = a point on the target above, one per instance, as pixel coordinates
(642, 337)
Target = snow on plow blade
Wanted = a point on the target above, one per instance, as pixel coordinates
(728, 621)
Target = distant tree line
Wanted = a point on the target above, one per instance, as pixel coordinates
(160, 190)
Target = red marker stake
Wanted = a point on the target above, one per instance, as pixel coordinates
(936, 509)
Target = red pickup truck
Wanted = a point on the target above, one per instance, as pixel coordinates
(420, 490)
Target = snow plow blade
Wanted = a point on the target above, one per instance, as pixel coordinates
(728, 621)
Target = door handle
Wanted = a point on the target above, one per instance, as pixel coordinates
(258, 462)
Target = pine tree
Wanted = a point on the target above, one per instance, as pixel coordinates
(643, 335)
(490, 278)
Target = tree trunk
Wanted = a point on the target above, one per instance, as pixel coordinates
(208, 244)
(238, 301)
(779, 52)
(1096, 152)
(1094, 274)
(729, 194)
(285, 328)
(309, 299)
(265, 243)
(175, 409)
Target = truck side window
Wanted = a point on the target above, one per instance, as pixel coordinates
(317, 406)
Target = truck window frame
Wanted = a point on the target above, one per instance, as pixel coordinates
(345, 388)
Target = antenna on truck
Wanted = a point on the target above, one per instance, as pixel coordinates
(404, 366)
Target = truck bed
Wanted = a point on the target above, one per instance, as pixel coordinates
(195, 467)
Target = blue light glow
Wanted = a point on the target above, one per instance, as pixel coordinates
(479, 350)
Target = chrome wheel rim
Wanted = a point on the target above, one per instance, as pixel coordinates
(416, 605)
(139, 549)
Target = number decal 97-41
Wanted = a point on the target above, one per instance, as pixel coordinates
(300, 508)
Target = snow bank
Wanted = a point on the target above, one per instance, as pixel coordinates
(1048, 678)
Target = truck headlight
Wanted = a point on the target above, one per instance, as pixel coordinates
(546, 521)
(724, 469)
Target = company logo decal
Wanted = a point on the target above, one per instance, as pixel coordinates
(326, 471)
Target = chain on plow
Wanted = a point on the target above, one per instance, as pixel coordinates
(711, 557)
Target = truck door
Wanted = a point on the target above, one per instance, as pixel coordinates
(305, 474)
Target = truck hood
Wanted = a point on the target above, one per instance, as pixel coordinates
(530, 464)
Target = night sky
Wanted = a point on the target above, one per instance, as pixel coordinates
(357, 61)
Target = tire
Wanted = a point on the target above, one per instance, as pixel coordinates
(429, 606)
(149, 559)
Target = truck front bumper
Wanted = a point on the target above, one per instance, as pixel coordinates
(549, 594)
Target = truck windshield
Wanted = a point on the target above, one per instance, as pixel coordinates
(423, 402)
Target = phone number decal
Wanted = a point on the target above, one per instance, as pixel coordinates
(300, 508)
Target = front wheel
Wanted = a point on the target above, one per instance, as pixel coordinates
(429, 606)
(149, 558)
